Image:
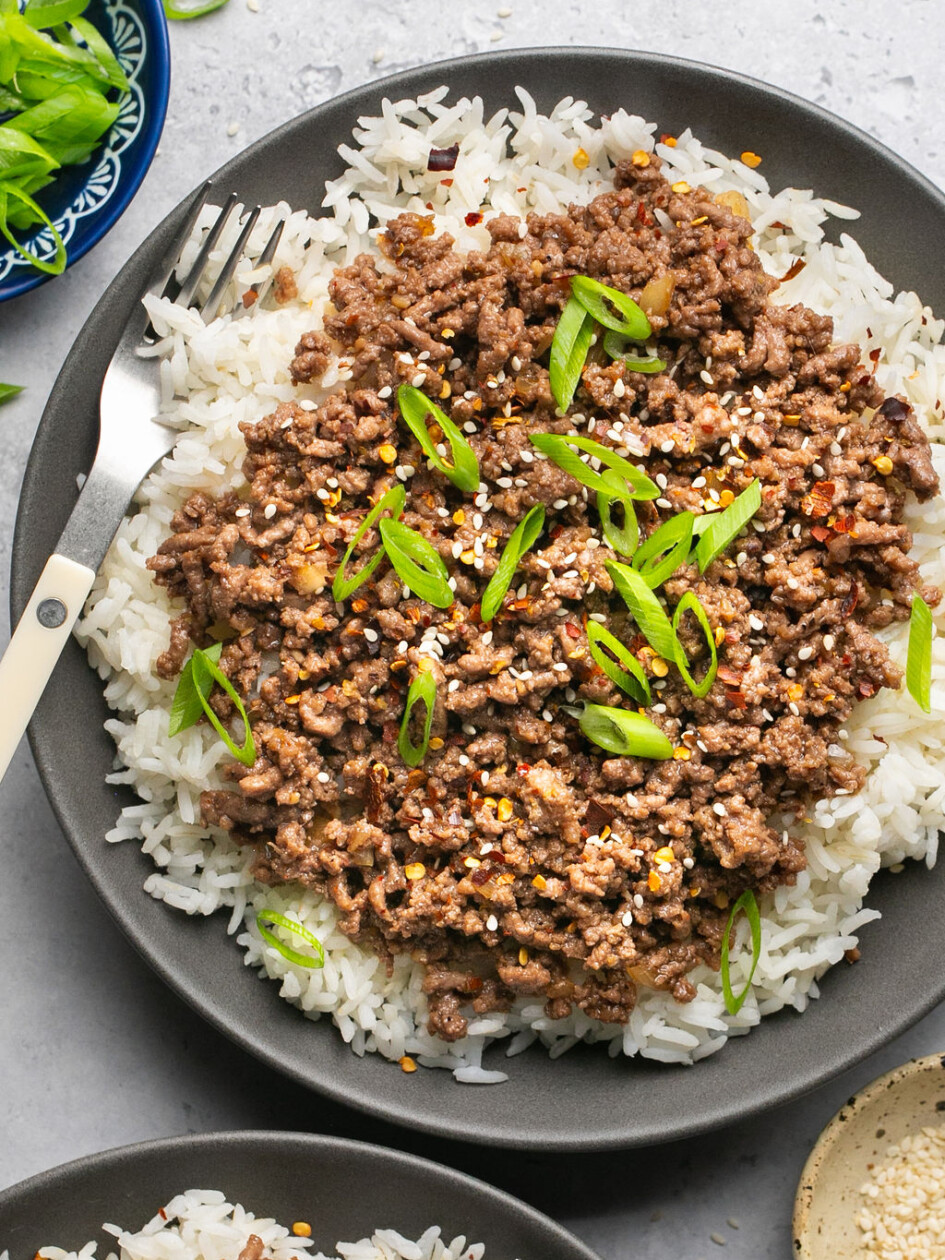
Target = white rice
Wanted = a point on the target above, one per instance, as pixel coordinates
(202, 1225)
(237, 369)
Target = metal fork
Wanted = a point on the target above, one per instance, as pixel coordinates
(131, 441)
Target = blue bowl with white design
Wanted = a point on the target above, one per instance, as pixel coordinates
(85, 201)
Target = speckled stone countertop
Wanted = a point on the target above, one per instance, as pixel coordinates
(94, 1051)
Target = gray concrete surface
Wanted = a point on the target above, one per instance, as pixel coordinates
(94, 1052)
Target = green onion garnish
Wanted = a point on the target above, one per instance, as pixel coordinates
(747, 903)
(289, 925)
(415, 407)
(9, 391)
(523, 537)
(727, 524)
(57, 73)
(569, 348)
(631, 678)
(184, 13)
(665, 550)
(418, 565)
(393, 502)
(919, 658)
(422, 688)
(690, 602)
(647, 611)
(190, 699)
(624, 538)
(558, 449)
(616, 347)
(624, 732)
(611, 308)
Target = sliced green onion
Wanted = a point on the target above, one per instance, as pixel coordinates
(622, 539)
(184, 13)
(58, 264)
(630, 678)
(289, 925)
(647, 610)
(9, 391)
(418, 565)
(624, 732)
(422, 688)
(523, 537)
(186, 709)
(665, 550)
(203, 665)
(747, 903)
(569, 347)
(415, 407)
(599, 300)
(393, 502)
(690, 603)
(558, 449)
(919, 658)
(45, 13)
(99, 48)
(616, 347)
(727, 524)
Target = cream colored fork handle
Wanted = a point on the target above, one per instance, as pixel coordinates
(36, 646)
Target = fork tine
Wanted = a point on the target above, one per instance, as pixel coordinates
(188, 287)
(211, 306)
(267, 255)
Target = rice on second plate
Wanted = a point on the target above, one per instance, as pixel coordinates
(236, 370)
(203, 1225)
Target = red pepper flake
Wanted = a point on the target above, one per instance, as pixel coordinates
(736, 699)
(866, 689)
(818, 502)
(571, 630)
(894, 409)
(481, 875)
(447, 183)
(821, 533)
(249, 297)
(443, 159)
(875, 354)
(597, 817)
(850, 601)
(523, 768)
(729, 675)
(795, 269)
(641, 213)
(667, 139)
(473, 218)
(844, 524)
(162, 1214)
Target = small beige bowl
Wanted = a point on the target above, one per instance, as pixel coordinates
(902, 1102)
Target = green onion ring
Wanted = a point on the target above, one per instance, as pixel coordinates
(919, 657)
(392, 501)
(616, 347)
(624, 732)
(557, 447)
(186, 709)
(647, 611)
(415, 407)
(205, 665)
(418, 564)
(178, 13)
(594, 297)
(288, 953)
(747, 903)
(674, 538)
(570, 344)
(628, 675)
(727, 524)
(522, 539)
(623, 539)
(58, 264)
(422, 688)
(690, 602)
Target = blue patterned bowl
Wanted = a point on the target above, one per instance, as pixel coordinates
(85, 201)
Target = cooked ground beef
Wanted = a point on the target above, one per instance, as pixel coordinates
(520, 858)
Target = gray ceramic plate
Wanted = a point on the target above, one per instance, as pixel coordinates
(584, 1100)
(345, 1190)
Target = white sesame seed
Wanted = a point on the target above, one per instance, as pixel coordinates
(559, 504)
(453, 685)
(619, 388)
(492, 923)
(469, 427)
(706, 377)
(242, 512)
(698, 483)
(370, 635)
(463, 759)
(504, 482)
(792, 583)
(667, 446)
(323, 776)
(794, 709)
(829, 642)
(418, 380)
(719, 808)
(755, 622)
(547, 715)
(817, 470)
(560, 667)
(638, 900)
(269, 510)
(805, 653)
(468, 728)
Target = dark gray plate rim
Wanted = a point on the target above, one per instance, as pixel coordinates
(585, 1100)
(290, 1176)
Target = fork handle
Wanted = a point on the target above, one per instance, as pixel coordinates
(37, 643)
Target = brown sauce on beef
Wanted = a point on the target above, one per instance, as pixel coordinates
(519, 858)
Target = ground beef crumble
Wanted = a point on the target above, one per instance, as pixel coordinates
(520, 859)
